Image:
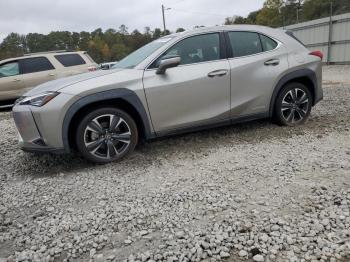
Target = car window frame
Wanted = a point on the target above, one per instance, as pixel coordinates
(27, 58)
(229, 51)
(9, 62)
(222, 44)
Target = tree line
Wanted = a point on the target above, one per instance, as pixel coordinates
(113, 45)
(279, 13)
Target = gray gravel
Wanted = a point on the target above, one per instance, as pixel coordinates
(250, 192)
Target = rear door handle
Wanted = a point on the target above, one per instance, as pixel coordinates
(16, 80)
(272, 62)
(51, 74)
(220, 72)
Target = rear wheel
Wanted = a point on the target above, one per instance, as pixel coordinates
(293, 105)
(106, 134)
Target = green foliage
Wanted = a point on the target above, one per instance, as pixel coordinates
(277, 13)
(110, 45)
(180, 29)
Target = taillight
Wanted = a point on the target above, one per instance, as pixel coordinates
(317, 53)
(92, 68)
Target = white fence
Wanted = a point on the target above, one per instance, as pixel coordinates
(329, 35)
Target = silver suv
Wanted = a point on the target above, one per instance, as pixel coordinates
(178, 83)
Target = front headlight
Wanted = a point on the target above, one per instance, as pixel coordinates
(37, 100)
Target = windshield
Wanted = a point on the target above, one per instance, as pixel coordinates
(142, 53)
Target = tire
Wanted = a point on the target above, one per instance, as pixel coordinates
(105, 135)
(293, 105)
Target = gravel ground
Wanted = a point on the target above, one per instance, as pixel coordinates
(249, 192)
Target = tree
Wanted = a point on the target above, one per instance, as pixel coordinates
(180, 29)
(13, 45)
(157, 33)
(123, 30)
(270, 15)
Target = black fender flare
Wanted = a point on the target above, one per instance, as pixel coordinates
(122, 93)
(311, 75)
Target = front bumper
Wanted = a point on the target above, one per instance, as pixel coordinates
(29, 136)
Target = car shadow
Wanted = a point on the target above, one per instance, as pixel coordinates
(153, 153)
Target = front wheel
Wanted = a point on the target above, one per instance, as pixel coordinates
(293, 105)
(106, 134)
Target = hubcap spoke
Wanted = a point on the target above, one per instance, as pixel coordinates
(301, 113)
(294, 95)
(290, 117)
(95, 145)
(114, 122)
(124, 137)
(111, 150)
(95, 126)
(286, 106)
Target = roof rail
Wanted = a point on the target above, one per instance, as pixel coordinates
(48, 52)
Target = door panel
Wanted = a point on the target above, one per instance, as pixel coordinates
(254, 72)
(11, 83)
(186, 96)
(34, 79)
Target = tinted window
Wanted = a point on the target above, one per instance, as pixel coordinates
(196, 49)
(245, 43)
(70, 60)
(9, 69)
(267, 43)
(35, 64)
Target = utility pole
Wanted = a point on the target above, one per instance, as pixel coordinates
(163, 9)
(163, 13)
(330, 31)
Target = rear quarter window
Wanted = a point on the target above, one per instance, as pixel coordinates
(68, 60)
(267, 43)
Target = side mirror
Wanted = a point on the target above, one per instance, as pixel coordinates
(168, 63)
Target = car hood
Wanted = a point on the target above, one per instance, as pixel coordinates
(61, 83)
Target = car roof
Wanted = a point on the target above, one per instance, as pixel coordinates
(237, 27)
(39, 54)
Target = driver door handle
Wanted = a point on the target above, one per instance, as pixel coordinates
(16, 80)
(220, 72)
(272, 62)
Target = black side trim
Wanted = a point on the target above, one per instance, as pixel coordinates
(48, 150)
(290, 76)
(229, 51)
(213, 125)
(122, 93)
(223, 53)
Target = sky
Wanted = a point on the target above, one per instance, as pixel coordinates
(43, 16)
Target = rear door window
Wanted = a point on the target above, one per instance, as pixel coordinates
(245, 43)
(68, 60)
(9, 69)
(35, 64)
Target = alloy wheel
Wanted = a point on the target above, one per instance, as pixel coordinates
(107, 136)
(295, 105)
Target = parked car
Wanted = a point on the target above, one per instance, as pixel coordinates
(20, 74)
(106, 66)
(178, 83)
